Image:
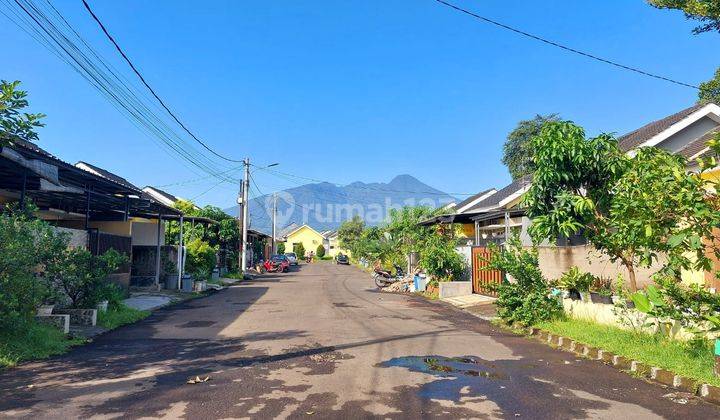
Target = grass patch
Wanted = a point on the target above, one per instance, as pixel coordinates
(692, 361)
(429, 295)
(113, 318)
(32, 340)
(233, 275)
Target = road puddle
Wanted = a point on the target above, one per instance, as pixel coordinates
(448, 366)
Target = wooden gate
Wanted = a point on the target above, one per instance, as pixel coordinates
(482, 279)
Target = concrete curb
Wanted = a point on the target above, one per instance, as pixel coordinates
(709, 393)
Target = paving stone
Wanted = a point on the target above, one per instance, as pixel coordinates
(685, 384)
(710, 393)
(621, 362)
(640, 368)
(663, 376)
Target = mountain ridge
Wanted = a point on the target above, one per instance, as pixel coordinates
(324, 205)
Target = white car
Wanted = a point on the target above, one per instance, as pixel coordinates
(292, 258)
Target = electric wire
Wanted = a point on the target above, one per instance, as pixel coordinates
(564, 47)
(46, 29)
(152, 91)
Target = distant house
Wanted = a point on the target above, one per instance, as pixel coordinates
(307, 236)
(332, 243)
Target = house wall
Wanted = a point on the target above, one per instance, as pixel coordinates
(554, 261)
(78, 238)
(308, 237)
(145, 233)
(115, 228)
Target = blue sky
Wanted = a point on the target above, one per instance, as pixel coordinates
(349, 91)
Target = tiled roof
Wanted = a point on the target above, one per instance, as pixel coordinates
(472, 198)
(162, 193)
(495, 199)
(635, 138)
(694, 148)
(106, 174)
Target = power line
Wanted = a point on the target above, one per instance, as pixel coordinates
(142, 79)
(193, 180)
(564, 47)
(54, 32)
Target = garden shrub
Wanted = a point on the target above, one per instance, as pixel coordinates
(281, 248)
(320, 252)
(525, 300)
(200, 258)
(440, 260)
(26, 244)
(82, 277)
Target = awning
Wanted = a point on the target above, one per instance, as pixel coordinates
(444, 219)
(499, 214)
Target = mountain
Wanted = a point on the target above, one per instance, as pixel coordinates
(326, 206)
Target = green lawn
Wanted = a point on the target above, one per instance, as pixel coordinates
(678, 357)
(32, 341)
(123, 315)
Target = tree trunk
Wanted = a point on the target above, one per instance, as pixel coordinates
(631, 272)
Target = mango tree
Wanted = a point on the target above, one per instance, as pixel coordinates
(633, 208)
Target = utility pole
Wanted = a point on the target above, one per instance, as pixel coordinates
(245, 205)
(274, 214)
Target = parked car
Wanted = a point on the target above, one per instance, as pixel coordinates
(282, 260)
(342, 259)
(292, 257)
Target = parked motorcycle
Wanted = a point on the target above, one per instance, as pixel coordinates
(271, 266)
(384, 278)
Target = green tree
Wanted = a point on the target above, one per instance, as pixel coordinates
(14, 120)
(350, 232)
(705, 11)
(439, 259)
(281, 248)
(710, 90)
(517, 151)
(299, 249)
(404, 227)
(631, 208)
(320, 251)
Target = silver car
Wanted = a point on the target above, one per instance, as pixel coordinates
(292, 257)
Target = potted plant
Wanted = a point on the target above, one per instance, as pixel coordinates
(170, 273)
(601, 291)
(575, 282)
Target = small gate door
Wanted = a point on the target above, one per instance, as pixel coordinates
(482, 279)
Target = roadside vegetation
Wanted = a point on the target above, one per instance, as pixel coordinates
(39, 270)
(693, 360)
(30, 341)
(389, 244)
(633, 209)
(119, 316)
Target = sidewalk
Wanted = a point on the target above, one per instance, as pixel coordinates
(478, 305)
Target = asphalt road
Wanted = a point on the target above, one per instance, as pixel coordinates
(322, 342)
